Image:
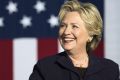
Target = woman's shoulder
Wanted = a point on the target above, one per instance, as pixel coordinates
(108, 62)
(50, 59)
(105, 62)
(110, 66)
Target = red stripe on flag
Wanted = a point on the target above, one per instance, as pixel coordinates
(6, 61)
(99, 51)
(47, 47)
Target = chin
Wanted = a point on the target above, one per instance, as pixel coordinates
(67, 48)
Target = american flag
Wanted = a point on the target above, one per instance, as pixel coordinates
(29, 31)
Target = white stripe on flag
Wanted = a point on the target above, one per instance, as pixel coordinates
(24, 57)
(112, 30)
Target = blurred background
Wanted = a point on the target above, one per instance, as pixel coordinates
(29, 31)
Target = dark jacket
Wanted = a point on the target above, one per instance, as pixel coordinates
(60, 67)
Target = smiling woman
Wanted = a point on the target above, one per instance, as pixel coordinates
(73, 34)
(79, 33)
(90, 17)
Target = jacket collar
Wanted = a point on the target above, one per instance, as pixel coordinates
(66, 62)
(94, 63)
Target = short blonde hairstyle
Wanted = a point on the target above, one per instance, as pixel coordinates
(91, 17)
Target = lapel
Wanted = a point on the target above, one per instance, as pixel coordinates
(95, 64)
(66, 62)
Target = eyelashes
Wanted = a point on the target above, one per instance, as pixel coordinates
(72, 26)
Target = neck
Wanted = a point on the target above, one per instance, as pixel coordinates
(78, 55)
(79, 59)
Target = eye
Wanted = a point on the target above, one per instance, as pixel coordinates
(75, 26)
(62, 25)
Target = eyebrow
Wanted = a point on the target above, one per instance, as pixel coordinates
(70, 23)
(75, 24)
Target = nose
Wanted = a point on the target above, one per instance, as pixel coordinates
(67, 30)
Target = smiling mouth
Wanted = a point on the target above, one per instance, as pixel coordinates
(67, 40)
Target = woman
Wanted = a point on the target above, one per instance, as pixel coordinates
(79, 34)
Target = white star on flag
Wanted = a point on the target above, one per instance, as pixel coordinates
(12, 7)
(26, 21)
(39, 6)
(1, 22)
(53, 21)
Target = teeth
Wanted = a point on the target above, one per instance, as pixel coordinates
(68, 39)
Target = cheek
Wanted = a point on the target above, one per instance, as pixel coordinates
(60, 32)
(77, 33)
(81, 36)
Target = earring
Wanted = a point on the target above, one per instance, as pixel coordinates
(90, 39)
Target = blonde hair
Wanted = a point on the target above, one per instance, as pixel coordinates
(91, 17)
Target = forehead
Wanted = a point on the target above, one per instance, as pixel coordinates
(72, 17)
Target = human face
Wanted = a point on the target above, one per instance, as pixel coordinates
(72, 33)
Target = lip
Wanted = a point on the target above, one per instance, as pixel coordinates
(68, 39)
